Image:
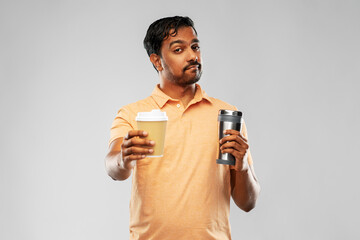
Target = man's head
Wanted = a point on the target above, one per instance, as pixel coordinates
(161, 29)
(174, 50)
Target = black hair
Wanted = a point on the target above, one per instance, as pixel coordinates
(159, 31)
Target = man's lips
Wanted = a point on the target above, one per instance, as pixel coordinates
(193, 66)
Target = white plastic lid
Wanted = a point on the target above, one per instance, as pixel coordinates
(154, 115)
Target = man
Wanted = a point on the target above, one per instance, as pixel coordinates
(185, 194)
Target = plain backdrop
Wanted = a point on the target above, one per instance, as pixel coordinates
(66, 67)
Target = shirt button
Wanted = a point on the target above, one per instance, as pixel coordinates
(178, 105)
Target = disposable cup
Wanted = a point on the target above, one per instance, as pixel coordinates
(154, 123)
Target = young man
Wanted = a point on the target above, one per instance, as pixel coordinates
(185, 194)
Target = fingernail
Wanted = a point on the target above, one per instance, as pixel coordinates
(152, 142)
(143, 156)
(224, 131)
(150, 150)
(144, 132)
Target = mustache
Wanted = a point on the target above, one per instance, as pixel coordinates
(192, 63)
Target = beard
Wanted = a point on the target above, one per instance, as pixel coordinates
(188, 76)
(187, 80)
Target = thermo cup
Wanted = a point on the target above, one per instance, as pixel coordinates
(154, 123)
(228, 119)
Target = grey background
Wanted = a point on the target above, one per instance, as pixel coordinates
(66, 67)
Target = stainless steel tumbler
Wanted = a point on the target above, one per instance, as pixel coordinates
(228, 119)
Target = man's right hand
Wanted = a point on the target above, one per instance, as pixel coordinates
(134, 147)
(125, 151)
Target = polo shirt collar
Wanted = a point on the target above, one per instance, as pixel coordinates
(161, 98)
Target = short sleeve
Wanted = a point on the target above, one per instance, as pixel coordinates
(121, 125)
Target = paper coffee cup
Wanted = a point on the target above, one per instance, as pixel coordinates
(154, 123)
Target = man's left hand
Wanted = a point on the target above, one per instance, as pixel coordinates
(236, 145)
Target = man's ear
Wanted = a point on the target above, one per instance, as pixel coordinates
(156, 61)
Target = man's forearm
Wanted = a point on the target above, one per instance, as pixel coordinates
(245, 188)
(114, 170)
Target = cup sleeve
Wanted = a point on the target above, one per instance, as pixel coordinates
(121, 125)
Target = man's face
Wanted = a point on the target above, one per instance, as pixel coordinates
(180, 57)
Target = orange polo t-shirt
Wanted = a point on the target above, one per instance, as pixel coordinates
(185, 194)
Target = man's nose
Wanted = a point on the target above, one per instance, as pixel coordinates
(192, 56)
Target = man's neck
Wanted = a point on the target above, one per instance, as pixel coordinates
(183, 93)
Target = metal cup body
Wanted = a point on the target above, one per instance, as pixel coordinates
(228, 119)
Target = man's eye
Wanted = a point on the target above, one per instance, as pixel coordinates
(177, 50)
(196, 47)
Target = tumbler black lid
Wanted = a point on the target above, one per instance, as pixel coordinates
(230, 116)
(230, 113)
